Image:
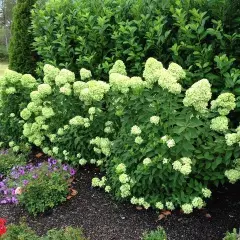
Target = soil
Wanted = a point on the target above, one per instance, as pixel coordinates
(102, 218)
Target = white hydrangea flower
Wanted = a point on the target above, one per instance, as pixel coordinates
(170, 205)
(55, 150)
(164, 138)
(95, 182)
(121, 168)
(44, 89)
(28, 81)
(165, 160)
(187, 208)
(177, 165)
(82, 161)
(231, 138)
(107, 189)
(124, 178)
(198, 96)
(125, 190)
(159, 205)
(224, 103)
(25, 114)
(170, 143)
(206, 192)
(147, 161)
(47, 112)
(169, 82)
(135, 130)
(93, 161)
(233, 175)
(177, 71)
(152, 71)
(134, 201)
(155, 120)
(85, 74)
(66, 89)
(219, 124)
(138, 140)
(77, 121)
(118, 67)
(197, 202)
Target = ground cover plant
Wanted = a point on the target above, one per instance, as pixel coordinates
(158, 234)
(38, 188)
(23, 232)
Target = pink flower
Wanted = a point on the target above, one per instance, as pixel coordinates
(18, 191)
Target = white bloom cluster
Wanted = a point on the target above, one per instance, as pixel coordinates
(79, 121)
(121, 168)
(232, 138)
(169, 82)
(206, 192)
(50, 73)
(147, 161)
(177, 71)
(183, 165)
(118, 67)
(25, 114)
(159, 205)
(224, 103)
(135, 130)
(64, 76)
(140, 202)
(155, 120)
(122, 83)
(124, 178)
(82, 161)
(125, 190)
(187, 208)
(44, 90)
(90, 91)
(170, 205)
(168, 140)
(109, 127)
(47, 112)
(198, 96)
(28, 81)
(197, 202)
(219, 124)
(66, 89)
(97, 182)
(138, 140)
(85, 74)
(152, 71)
(103, 145)
(233, 175)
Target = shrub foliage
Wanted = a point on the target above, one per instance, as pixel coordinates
(160, 145)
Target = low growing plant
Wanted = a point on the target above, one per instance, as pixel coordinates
(234, 235)
(158, 234)
(8, 159)
(37, 188)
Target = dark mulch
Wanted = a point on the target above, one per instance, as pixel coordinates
(104, 219)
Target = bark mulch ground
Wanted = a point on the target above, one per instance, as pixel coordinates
(104, 219)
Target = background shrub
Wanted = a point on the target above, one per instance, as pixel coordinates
(198, 35)
(232, 235)
(21, 57)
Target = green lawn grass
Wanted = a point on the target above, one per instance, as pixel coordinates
(3, 67)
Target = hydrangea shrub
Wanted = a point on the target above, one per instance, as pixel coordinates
(171, 144)
(160, 145)
(14, 96)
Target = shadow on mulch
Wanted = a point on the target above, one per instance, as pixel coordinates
(104, 219)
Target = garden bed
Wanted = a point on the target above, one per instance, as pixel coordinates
(104, 219)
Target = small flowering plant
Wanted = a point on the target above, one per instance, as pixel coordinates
(37, 188)
(3, 228)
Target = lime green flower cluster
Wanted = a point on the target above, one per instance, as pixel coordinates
(197, 202)
(219, 124)
(155, 120)
(80, 121)
(50, 73)
(64, 76)
(187, 208)
(225, 103)
(198, 96)
(103, 145)
(152, 71)
(177, 71)
(147, 161)
(90, 91)
(233, 175)
(169, 81)
(140, 202)
(109, 127)
(118, 67)
(97, 182)
(183, 165)
(85, 74)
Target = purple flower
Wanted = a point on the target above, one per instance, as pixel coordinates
(25, 182)
(65, 167)
(54, 161)
(35, 176)
(72, 171)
